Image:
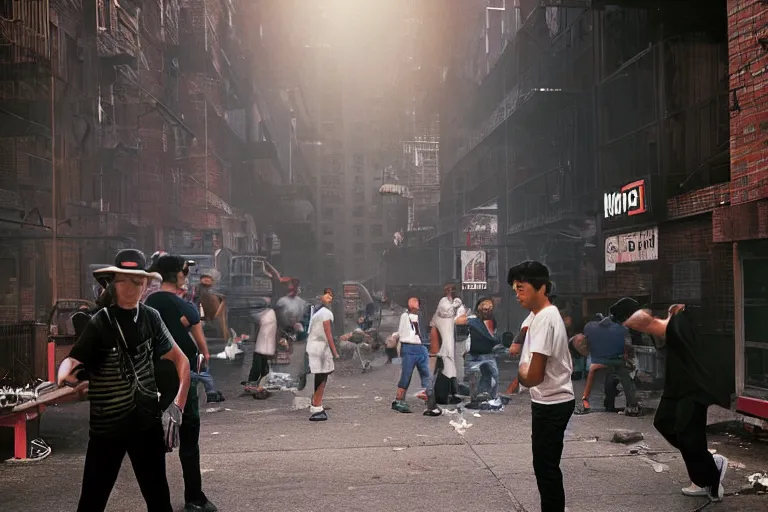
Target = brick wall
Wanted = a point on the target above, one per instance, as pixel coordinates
(748, 62)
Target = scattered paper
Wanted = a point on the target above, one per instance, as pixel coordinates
(214, 409)
(460, 426)
(215, 433)
(398, 449)
(477, 415)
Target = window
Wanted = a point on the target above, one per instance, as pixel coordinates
(327, 248)
(377, 230)
(358, 211)
(327, 229)
(327, 213)
(358, 230)
(359, 160)
(359, 248)
(358, 180)
(756, 322)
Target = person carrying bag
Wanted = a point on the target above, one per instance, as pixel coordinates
(128, 357)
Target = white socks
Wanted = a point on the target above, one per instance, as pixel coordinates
(315, 410)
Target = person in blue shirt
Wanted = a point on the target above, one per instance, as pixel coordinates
(607, 340)
(480, 358)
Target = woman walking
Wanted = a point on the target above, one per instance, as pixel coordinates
(321, 351)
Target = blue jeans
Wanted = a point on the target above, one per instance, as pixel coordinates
(415, 356)
(486, 366)
(205, 378)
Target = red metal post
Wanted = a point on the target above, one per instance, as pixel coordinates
(51, 361)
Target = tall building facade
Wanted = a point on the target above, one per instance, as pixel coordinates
(130, 123)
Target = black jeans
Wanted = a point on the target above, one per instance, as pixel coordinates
(548, 423)
(189, 450)
(683, 423)
(103, 459)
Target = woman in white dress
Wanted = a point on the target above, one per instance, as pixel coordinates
(321, 351)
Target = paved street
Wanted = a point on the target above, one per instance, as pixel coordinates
(262, 456)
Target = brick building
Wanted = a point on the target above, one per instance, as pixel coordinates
(132, 123)
(742, 225)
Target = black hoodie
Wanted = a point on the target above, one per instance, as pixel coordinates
(691, 369)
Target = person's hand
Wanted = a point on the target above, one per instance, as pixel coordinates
(171, 423)
(515, 349)
(676, 308)
(336, 355)
(206, 359)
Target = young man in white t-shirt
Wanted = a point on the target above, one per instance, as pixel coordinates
(545, 369)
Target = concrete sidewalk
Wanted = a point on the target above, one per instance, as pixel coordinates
(261, 456)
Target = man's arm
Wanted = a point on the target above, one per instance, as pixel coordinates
(462, 320)
(643, 321)
(517, 344)
(532, 374)
(329, 336)
(434, 340)
(180, 361)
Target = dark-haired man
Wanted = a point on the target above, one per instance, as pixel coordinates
(176, 312)
(690, 388)
(545, 369)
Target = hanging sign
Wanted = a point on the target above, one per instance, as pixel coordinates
(631, 247)
(474, 275)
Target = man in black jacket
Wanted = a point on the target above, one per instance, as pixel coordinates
(690, 387)
(177, 314)
(119, 350)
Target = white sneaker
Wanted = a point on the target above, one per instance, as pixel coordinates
(694, 491)
(722, 466)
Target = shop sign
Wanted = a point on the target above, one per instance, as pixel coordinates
(474, 275)
(631, 247)
(631, 199)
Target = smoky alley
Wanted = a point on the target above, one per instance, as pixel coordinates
(383, 255)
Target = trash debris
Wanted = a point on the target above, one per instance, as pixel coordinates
(658, 467)
(736, 465)
(712, 451)
(300, 403)
(627, 436)
(377, 399)
(215, 433)
(477, 415)
(279, 382)
(759, 481)
(460, 426)
(214, 409)
(398, 449)
(591, 440)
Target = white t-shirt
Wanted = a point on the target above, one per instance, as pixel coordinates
(406, 329)
(546, 335)
(316, 330)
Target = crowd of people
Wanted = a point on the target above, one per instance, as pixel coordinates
(142, 352)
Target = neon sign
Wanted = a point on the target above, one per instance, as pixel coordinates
(630, 200)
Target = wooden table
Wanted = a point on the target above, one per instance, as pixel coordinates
(18, 416)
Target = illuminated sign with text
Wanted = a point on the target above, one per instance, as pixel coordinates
(632, 199)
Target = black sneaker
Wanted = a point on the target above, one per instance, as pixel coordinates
(433, 412)
(454, 400)
(319, 416)
(207, 507)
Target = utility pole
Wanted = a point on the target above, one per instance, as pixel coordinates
(205, 96)
(54, 199)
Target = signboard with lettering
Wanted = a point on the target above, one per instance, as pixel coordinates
(631, 247)
(474, 274)
(629, 200)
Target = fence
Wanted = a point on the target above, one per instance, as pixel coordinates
(23, 353)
